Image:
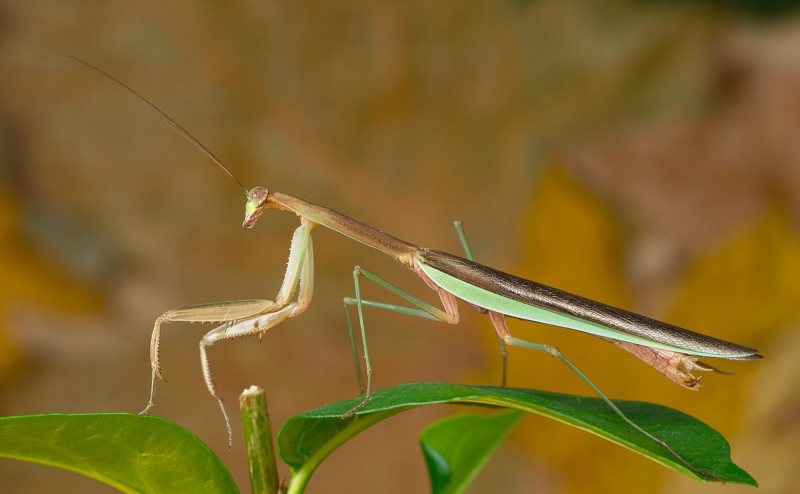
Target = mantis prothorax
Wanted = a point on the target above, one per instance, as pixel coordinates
(671, 350)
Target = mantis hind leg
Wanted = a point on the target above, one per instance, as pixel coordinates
(462, 237)
(504, 337)
(500, 326)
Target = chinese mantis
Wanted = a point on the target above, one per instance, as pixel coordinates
(671, 350)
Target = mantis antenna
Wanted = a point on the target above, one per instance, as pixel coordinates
(134, 97)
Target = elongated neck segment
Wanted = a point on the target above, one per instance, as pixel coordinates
(367, 235)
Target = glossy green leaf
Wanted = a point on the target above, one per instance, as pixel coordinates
(133, 453)
(456, 448)
(306, 439)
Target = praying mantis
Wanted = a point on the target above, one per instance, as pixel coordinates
(671, 350)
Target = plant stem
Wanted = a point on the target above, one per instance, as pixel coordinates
(258, 440)
(355, 425)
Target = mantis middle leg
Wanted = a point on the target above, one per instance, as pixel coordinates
(419, 308)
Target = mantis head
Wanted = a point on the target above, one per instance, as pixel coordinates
(257, 202)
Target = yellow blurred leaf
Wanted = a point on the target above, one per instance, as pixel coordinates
(26, 277)
(746, 289)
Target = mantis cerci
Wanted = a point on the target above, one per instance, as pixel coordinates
(671, 350)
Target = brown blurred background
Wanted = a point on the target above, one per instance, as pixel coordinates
(645, 154)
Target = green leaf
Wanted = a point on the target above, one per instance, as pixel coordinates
(456, 448)
(133, 453)
(306, 439)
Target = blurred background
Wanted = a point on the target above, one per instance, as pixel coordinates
(644, 154)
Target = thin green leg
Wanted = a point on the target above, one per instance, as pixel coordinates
(359, 307)
(555, 352)
(400, 309)
(462, 236)
(353, 345)
(421, 309)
